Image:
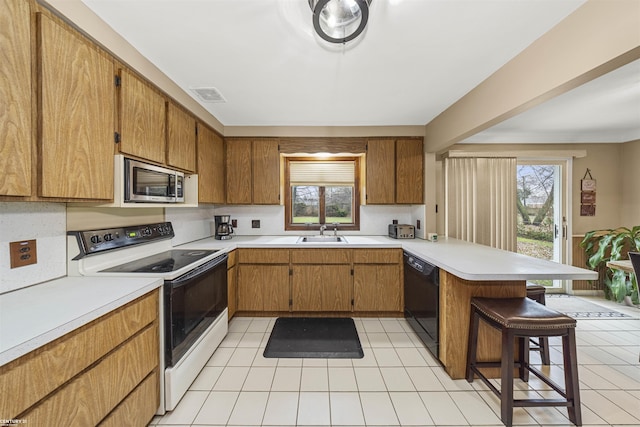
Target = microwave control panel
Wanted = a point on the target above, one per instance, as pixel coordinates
(96, 241)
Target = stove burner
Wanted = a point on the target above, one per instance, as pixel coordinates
(164, 262)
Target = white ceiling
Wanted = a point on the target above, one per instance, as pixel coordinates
(416, 58)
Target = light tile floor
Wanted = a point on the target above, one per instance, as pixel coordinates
(398, 382)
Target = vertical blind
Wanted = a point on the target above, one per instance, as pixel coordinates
(480, 201)
(323, 173)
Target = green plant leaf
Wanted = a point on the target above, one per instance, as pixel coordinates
(599, 256)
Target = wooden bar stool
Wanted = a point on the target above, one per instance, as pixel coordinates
(519, 319)
(537, 293)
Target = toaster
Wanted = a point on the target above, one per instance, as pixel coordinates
(402, 231)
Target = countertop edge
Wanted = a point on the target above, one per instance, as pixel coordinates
(444, 254)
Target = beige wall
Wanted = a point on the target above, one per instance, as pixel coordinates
(630, 177)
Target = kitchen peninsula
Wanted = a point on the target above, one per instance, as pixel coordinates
(466, 270)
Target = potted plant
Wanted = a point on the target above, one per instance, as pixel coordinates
(601, 246)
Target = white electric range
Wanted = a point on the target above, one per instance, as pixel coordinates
(193, 300)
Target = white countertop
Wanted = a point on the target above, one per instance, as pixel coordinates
(466, 260)
(34, 316)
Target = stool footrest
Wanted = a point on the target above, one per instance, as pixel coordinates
(541, 402)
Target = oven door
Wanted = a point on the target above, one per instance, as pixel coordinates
(193, 301)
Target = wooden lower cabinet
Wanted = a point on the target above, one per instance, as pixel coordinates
(320, 280)
(377, 287)
(321, 287)
(263, 287)
(84, 377)
(378, 280)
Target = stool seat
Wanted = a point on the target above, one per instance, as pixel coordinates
(522, 313)
(519, 319)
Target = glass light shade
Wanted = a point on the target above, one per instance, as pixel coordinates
(339, 21)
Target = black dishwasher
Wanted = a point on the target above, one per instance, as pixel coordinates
(422, 300)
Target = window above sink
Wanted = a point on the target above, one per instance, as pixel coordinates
(322, 191)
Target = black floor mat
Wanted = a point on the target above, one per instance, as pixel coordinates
(311, 337)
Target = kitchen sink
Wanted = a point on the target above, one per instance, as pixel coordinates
(322, 239)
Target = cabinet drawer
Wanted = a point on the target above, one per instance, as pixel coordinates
(88, 398)
(321, 256)
(38, 373)
(377, 256)
(263, 256)
(137, 409)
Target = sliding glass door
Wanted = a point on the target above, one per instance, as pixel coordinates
(541, 223)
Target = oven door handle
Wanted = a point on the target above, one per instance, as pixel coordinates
(198, 271)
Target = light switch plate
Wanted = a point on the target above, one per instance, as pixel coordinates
(23, 253)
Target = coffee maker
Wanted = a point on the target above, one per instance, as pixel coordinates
(224, 230)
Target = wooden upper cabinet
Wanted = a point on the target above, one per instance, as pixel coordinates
(395, 171)
(15, 95)
(409, 171)
(266, 172)
(142, 119)
(381, 171)
(76, 114)
(252, 171)
(210, 166)
(181, 138)
(238, 170)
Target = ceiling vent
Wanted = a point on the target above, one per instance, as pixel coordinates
(209, 94)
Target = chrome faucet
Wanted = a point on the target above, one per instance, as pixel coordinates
(322, 228)
(335, 228)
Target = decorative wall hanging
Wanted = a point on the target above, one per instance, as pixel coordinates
(588, 195)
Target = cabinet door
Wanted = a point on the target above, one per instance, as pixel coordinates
(15, 92)
(321, 287)
(306, 288)
(409, 171)
(337, 285)
(250, 288)
(275, 281)
(142, 119)
(377, 287)
(238, 171)
(263, 287)
(181, 138)
(266, 172)
(232, 290)
(76, 115)
(210, 166)
(381, 171)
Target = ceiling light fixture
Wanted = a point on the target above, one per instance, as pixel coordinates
(339, 21)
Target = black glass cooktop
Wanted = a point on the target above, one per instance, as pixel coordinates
(163, 262)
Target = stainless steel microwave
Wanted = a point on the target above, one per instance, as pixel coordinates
(146, 183)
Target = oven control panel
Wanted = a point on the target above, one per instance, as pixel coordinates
(95, 241)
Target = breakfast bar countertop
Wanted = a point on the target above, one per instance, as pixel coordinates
(469, 261)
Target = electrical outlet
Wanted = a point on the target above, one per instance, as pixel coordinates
(395, 221)
(23, 253)
(234, 223)
(418, 224)
(255, 223)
